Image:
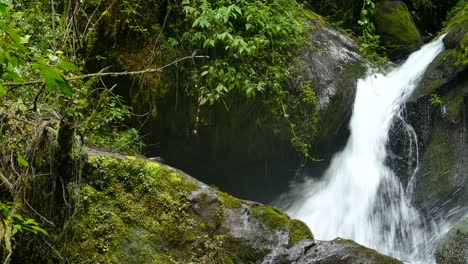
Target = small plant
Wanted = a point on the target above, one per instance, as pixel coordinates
(369, 39)
(462, 51)
(435, 100)
(11, 223)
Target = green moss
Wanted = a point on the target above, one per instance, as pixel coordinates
(229, 201)
(395, 25)
(458, 19)
(457, 37)
(309, 15)
(134, 211)
(235, 247)
(271, 217)
(274, 219)
(298, 231)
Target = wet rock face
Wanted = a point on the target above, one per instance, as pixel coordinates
(397, 29)
(332, 62)
(453, 247)
(437, 111)
(441, 181)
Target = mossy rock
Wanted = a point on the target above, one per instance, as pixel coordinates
(441, 178)
(343, 251)
(456, 28)
(134, 210)
(453, 247)
(395, 25)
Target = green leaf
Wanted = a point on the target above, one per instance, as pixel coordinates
(30, 221)
(2, 90)
(64, 87)
(68, 66)
(3, 26)
(39, 229)
(3, 7)
(14, 36)
(22, 161)
(18, 216)
(16, 228)
(15, 76)
(49, 81)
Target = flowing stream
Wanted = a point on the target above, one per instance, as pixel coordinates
(359, 197)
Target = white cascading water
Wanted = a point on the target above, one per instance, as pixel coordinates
(359, 197)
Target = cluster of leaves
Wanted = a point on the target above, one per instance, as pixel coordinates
(462, 52)
(17, 60)
(11, 223)
(435, 99)
(369, 39)
(249, 43)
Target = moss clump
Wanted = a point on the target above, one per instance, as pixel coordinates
(229, 201)
(235, 247)
(395, 25)
(298, 231)
(309, 15)
(271, 217)
(457, 36)
(274, 219)
(453, 247)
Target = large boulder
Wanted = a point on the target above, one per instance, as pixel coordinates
(395, 25)
(453, 247)
(343, 251)
(135, 210)
(332, 62)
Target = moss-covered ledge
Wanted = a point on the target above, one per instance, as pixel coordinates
(135, 210)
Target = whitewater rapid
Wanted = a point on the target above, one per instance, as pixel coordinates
(359, 197)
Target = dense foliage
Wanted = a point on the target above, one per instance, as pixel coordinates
(249, 42)
(45, 110)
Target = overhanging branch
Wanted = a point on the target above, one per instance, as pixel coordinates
(113, 74)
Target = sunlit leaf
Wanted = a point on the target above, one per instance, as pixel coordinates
(22, 161)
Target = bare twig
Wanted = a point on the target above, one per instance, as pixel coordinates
(45, 219)
(113, 74)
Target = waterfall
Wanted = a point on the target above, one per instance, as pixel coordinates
(359, 197)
